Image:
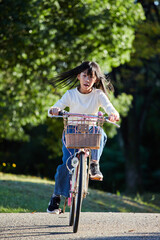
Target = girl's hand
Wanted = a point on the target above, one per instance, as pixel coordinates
(54, 111)
(113, 117)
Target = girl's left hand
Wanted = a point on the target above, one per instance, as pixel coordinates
(113, 117)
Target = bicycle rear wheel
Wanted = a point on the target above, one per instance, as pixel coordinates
(79, 194)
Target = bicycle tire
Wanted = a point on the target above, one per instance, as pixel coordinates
(71, 215)
(78, 196)
(72, 207)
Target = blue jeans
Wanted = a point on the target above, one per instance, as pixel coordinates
(62, 176)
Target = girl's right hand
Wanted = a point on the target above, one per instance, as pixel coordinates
(54, 111)
(113, 117)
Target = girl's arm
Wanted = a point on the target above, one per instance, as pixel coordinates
(60, 105)
(108, 107)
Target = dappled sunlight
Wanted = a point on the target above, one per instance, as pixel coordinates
(139, 206)
(13, 210)
(24, 178)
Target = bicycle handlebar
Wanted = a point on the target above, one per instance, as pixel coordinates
(65, 113)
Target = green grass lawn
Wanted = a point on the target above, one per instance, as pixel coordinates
(19, 193)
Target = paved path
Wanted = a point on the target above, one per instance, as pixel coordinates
(100, 226)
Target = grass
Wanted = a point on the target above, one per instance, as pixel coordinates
(19, 193)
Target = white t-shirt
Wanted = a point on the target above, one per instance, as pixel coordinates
(85, 103)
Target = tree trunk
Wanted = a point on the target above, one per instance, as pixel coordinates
(131, 136)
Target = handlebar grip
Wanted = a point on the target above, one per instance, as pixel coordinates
(62, 112)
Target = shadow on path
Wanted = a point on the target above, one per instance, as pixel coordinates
(30, 231)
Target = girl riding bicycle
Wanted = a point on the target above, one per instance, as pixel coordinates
(86, 98)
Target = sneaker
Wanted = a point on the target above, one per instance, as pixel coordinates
(53, 206)
(95, 173)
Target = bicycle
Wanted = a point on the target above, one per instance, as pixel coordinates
(82, 132)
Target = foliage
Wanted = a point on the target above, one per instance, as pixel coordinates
(122, 103)
(141, 78)
(39, 38)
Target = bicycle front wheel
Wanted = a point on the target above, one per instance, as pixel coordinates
(72, 208)
(79, 194)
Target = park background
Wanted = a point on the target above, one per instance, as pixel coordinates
(39, 39)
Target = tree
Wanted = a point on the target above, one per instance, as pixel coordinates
(140, 78)
(40, 38)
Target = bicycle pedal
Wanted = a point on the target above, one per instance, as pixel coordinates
(96, 179)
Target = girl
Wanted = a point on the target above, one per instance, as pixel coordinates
(87, 97)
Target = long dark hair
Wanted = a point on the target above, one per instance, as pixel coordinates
(69, 78)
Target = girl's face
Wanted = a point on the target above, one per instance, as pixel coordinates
(86, 81)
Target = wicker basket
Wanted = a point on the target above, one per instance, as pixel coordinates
(83, 132)
(83, 140)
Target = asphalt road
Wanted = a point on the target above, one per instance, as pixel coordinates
(100, 226)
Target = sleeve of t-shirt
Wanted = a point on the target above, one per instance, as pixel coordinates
(106, 104)
(62, 103)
